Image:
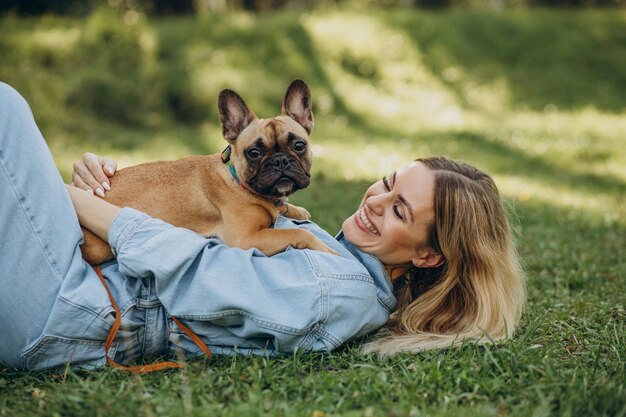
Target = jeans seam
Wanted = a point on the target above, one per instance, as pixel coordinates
(30, 223)
(101, 315)
(322, 333)
(145, 320)
(266, 324)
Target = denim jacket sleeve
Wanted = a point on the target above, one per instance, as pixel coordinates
(296, 299)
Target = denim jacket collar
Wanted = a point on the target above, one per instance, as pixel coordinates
(376, 269)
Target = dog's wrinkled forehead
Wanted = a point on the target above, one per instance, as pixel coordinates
(277, 132)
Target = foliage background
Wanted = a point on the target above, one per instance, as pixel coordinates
(533, 96)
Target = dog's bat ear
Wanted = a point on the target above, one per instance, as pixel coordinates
(297, 104)
(234, 114)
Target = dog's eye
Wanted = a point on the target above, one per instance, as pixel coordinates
(299, 146)
(254, 153)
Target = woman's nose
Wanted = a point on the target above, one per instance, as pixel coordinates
(376, 203)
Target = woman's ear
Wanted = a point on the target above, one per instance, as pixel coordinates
(427, 258)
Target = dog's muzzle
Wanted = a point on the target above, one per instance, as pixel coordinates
(280, 176)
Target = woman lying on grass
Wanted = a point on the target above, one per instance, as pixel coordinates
(428, 252)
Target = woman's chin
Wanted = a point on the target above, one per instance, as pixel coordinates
(349, 228)
(353, 233)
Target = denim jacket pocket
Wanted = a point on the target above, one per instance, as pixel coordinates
(52, 352)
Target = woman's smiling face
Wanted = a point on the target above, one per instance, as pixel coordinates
(393, 219)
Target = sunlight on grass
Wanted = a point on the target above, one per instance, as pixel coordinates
(587, 138)
(149, 45)
(596, 204)
(373, 160)
(165, 145)
(58, 39)
(380, 76)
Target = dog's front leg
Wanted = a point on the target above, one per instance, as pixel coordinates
(273, 241)
(255, 233)
(296, 212)
(95, 250)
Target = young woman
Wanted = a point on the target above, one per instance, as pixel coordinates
(428, 251)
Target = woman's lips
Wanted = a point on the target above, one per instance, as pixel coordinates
(364, 223)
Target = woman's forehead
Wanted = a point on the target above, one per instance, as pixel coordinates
(416, 184)
(415, 177)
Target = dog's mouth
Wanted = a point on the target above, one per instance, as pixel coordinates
(284, 187)
(278, 183)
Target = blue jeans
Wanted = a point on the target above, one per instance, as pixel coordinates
(38, 226)
(40, 260)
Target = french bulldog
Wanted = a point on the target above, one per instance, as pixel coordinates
(236, 195)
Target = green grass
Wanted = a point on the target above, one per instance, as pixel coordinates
(535, 98)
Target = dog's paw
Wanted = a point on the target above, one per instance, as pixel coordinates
(331, 251)
(297, 212)
(318, 245)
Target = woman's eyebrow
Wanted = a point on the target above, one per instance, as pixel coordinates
(402, 199)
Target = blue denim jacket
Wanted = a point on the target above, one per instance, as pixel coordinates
(231, 297)
(235, 300)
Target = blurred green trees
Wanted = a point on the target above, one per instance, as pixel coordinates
(169, 7)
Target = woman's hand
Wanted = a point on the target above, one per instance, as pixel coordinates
(92, 173)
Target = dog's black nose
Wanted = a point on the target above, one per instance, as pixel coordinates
(281, 162)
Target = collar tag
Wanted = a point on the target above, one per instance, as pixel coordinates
(226, 155)
(229, 164)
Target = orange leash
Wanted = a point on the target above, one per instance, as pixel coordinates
(159, 366)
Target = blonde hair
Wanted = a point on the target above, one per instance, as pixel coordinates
(478, 293)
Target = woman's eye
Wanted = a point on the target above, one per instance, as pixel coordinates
(299, 146)
(386, 184)
(254, 153)
(396, 210)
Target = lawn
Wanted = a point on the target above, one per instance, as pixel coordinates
(536, 98)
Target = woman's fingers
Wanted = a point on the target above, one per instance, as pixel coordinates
(78, 182)
(109, 166)
(92, 173)
(83, 178)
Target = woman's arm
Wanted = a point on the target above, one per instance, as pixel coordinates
(93, 213)
(297, 299)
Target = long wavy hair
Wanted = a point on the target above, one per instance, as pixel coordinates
(479, 291)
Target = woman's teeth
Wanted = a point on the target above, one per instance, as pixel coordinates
(367, 223)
